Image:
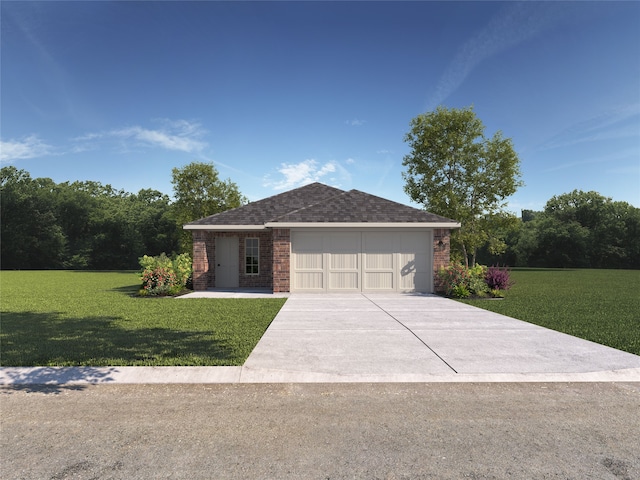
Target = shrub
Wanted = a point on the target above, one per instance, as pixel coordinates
(159, 281)
(462, 282)
(497, 278)
(162, 275)
(496, 293)
(477, 285)
(182, 267)
(460, 291)
(453, 276)
(151, 263)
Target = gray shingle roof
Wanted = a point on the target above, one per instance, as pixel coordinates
(319, 203)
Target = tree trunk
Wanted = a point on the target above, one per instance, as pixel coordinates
(464, 254)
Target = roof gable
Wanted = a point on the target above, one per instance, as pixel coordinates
(355, 206)
(317, 204)
(267, 209)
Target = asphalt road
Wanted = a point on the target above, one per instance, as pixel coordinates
(322, 431)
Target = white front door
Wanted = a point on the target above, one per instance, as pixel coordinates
(227, 262)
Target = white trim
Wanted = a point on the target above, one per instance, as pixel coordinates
(224, 227)
(365, 225)
(362, 225)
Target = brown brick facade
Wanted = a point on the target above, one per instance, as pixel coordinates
(281, 260)
(275, 251)
(275, 255)
(441, 254)
(202, 251)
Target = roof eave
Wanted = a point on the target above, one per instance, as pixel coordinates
(362, 225)
(223, 227)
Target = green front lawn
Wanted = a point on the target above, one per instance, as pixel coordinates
(91, 318)
(68, 318)
(598, 305)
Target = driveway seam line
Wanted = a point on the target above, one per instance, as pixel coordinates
(412, 333)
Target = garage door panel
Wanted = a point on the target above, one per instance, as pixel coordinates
(344, 281)
(307, 242)
(411, 262)
(362, 260)
(418, 282)
(306, 261)
(343, 240)
(379, 251)
(344, 261)
(378, 281)
(377, 261)
(309, 281)
(414, 271)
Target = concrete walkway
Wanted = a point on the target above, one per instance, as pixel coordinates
(381, 338)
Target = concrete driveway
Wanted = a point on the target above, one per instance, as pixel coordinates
(398, 338)
(380, 338)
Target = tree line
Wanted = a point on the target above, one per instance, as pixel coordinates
(88, 225)
(574, 230)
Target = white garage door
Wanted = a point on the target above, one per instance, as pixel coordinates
(369, 261)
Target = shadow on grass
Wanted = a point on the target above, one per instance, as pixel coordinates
(32, 339)
(128, 290)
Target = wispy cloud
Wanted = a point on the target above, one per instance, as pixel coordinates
(623, 122)
(513, 24)
(613, 158)
(355, 122)
(308, 171)
(24, 148)
(180, 135)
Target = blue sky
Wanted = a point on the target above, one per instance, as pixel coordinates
(278, 94)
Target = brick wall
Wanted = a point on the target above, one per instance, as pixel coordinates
(204, 254)
(281, 260)
(264, 278)
(201, 260)
(441, 254)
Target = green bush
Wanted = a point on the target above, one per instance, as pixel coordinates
(183, 267)
(462, 282)
(495, 293)
(460, 291)
(162, 275)
(477, 284)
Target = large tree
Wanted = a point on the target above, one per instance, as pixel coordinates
(455, 171)
(198, 193)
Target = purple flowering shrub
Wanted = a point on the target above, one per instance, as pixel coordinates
(498, 278)
(461, 282)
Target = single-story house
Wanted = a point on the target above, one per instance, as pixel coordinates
(318, 238)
